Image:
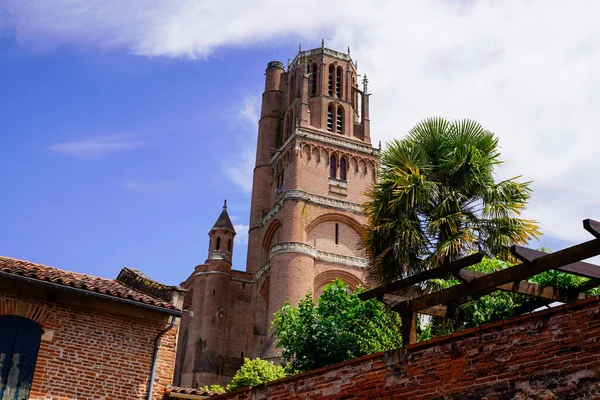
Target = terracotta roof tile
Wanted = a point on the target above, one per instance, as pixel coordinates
(89, 283)
(181, 390)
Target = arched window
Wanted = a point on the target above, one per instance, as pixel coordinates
(229, 244)
(339, 123)
(330, 118)
(342, 169)
(19, 346)
(338, 82)
(218, 246)
(313, 79)
(330, 83)
(333, 167)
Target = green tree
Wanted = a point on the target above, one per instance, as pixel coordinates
(255, 372)
(337, 327)
(436, 200)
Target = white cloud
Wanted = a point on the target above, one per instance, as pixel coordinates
(241, 237)
(97, 147)
(239, 166)
(526, 70)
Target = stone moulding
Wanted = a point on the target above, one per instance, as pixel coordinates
(303, 248)
(347, 144)
(258, 274)
(323, 138)
(310, 198)
(219, 256)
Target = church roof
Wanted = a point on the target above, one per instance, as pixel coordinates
(224, 222)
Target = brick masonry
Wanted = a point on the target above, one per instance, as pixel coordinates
(311, 171)
(92, 349)
(552, 354)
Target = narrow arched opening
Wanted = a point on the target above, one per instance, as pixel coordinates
(343, 169)
(330, 118)
(313, 79)
(330, 81)
(339, 82)
(339, 123)
(333, 167)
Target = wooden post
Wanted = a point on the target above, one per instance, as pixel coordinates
(409, 326)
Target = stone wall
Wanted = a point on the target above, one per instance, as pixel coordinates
(552, 354)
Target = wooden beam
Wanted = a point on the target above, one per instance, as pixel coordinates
(422, 276)
(580, 268)
(592, 227)
(584, 287)
(397, 302)
(520, 272)
(522, 287)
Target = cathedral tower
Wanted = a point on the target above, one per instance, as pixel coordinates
(314, 160)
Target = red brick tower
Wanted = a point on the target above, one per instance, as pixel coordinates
(212, 341)
(313, 162)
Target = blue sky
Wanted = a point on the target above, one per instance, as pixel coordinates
(116, 160)
(124, 125)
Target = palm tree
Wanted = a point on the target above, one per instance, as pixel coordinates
(436, 201)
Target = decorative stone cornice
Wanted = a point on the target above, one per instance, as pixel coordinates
(322, 50)
(301, 195)
(326, 139)
(258, 274)
(303, 248)
(337, 141)
(217, 255)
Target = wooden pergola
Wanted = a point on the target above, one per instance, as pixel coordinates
(405, 296)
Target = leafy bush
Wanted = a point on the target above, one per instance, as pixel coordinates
(218, 389)
(255, 372)
(337, 327)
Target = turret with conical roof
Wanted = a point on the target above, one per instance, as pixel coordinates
(221, 237)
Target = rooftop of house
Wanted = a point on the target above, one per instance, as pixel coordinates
(131, 286)
(187, 393)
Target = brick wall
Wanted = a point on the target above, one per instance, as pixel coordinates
(553, 354)
(103, 351)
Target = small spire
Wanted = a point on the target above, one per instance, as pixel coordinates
(322, 43)
(299, 47)
(288, 64)
(380, 145)
(365, 82)
(348, 50)
(225, 205)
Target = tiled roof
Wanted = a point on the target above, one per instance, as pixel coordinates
(194, 392)
(85, 282)
(224, 222)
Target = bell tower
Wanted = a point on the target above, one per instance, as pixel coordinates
(314, 160)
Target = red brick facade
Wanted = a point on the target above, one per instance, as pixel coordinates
(91, 347)
(552, 354)
(314, 161)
